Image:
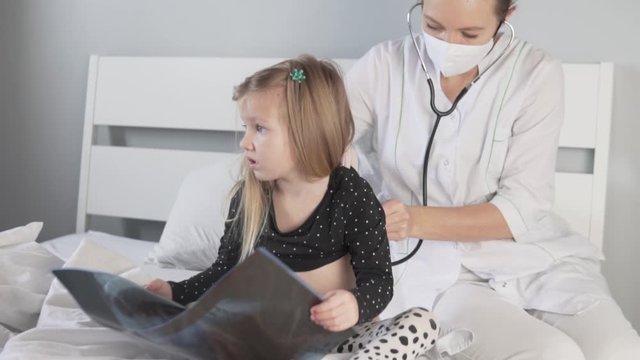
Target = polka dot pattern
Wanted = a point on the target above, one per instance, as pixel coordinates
(348, 220)
(405, 336)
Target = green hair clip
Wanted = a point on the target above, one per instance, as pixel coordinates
(297, 75)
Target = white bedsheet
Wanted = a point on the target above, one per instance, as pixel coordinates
(63, 330)
(25, 276)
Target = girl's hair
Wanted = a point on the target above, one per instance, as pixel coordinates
(502, 8)
(316, 113)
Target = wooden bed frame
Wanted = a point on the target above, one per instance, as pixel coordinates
(195, 94)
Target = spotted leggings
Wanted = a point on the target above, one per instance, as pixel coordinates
(405, 336)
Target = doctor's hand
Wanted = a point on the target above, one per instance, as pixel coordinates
(338, 311)
(160, 287)
(398, 219)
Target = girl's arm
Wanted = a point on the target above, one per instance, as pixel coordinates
(366, 239)
(192, 289)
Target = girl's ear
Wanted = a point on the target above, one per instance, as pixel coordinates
(510, 12)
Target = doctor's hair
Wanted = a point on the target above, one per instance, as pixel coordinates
(319, 124)
(502, 8)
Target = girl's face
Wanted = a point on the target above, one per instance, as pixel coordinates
(266, 143)
(466, 22)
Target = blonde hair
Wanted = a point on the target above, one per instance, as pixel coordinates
(320, 127)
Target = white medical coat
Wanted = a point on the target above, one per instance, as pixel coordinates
(498, 146)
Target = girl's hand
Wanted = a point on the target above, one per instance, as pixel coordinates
(397, 219)
(160, 287)
(338, 311)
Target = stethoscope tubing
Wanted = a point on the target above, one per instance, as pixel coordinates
(440, 114)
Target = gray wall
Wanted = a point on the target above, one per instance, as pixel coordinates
(44, 48)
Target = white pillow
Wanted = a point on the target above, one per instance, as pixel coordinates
(25, 277)
(191, 237)
(64, 246)
(20, 235)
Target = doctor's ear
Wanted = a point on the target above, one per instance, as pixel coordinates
(510, 12)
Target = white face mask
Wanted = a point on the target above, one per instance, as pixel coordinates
(454, 59)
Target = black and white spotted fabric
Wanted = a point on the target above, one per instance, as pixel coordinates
(405, 336)
(348, 220)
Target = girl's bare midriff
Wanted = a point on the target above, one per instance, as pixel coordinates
(333, 276)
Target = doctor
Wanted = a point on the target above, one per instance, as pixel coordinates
(494, 258)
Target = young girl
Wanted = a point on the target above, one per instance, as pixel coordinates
(315, 215)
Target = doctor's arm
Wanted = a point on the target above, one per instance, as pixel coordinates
(465, 223)
(525, 189)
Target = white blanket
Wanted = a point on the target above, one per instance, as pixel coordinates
(64, 331)
(25, 276)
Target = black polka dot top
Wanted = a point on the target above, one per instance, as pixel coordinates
(348, 220)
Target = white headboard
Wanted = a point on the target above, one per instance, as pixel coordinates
(155, 93)
(581, 197)
(195, 94)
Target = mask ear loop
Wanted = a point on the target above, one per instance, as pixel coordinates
(498, 28)
(504, 51)
(495, 35)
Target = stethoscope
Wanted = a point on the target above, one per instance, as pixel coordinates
(439, 113)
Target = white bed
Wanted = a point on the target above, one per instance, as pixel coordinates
(143, 183)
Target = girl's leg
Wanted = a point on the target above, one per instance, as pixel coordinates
(405, 336)
(601, 331)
